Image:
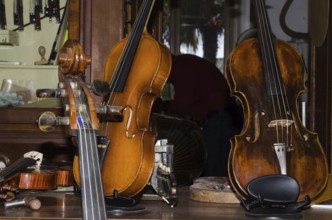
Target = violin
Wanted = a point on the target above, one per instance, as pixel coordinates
(29, 173)
(34, 178)
(137, 68)
(267, 76)
(46, 177)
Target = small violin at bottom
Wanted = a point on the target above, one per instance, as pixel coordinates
(27, 173)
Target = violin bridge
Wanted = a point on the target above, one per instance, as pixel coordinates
(280, 123)
(280, 149)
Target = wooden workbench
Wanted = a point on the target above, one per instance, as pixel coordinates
(66, 205)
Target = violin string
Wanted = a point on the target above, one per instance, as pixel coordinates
(273, 74)
(92, 156)
(82, 171)
(273, 63)
(81, 160)
(88, 145)
(280, 88)
(125, 53)
(265, 54)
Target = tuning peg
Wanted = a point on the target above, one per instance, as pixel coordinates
(48, 120)
(110, 113)
(50, 93)
(100, 87)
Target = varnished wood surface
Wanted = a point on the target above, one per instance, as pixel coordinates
(60, 205)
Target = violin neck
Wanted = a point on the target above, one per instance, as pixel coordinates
(124, 65)
(273, 80)
(93, 201)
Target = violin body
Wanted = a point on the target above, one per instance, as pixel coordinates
(129, 160)
(255, 151)
(31, 179)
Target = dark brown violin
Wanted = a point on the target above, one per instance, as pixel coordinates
(137, 68)
(267, 76)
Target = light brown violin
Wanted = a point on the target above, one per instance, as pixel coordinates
(137, 68)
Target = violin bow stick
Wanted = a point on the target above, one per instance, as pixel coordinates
(3, 20)
(18, 14)
(35, 10)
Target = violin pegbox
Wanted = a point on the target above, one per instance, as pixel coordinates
(72, 64)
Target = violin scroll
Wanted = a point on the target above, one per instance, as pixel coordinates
(72, 59)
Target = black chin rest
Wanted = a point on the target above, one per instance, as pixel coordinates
(275, 189)
(274, 196)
